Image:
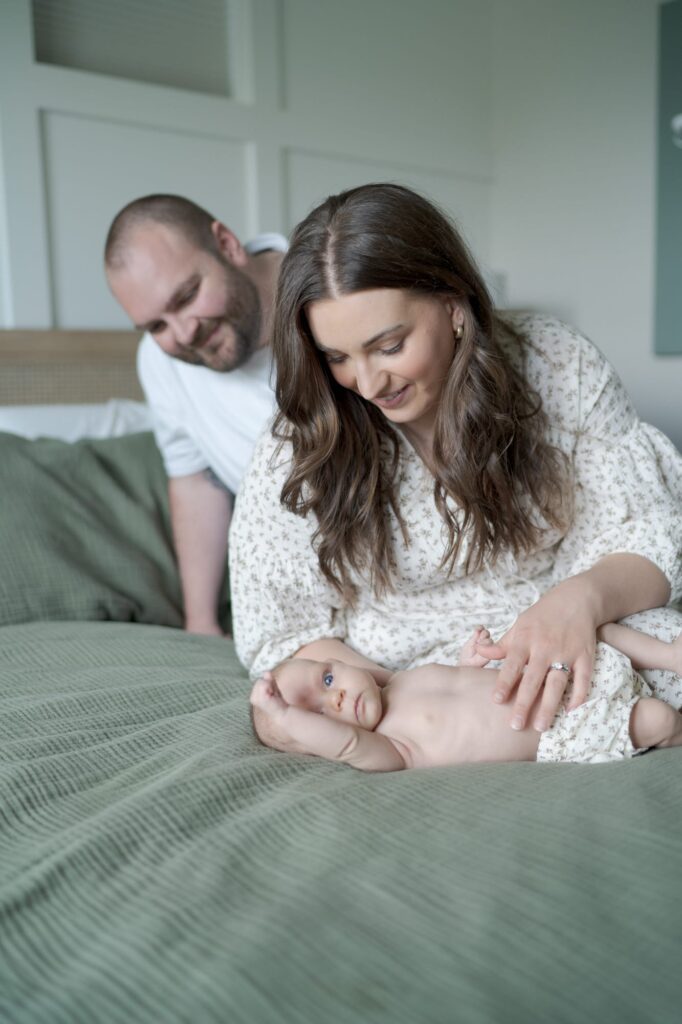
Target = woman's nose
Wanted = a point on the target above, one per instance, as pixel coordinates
(367, 381)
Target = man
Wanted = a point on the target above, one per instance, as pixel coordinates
(204, 301)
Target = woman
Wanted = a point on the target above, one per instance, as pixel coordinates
(435, 465)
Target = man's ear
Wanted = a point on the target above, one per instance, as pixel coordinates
(228, 244)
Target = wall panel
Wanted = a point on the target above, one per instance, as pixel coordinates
(322, 95)
(93, 167)
(415, 74)
(312, 176)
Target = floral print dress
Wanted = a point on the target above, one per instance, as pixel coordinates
(626, 481)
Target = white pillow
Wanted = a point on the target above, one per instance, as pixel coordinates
(72, 422)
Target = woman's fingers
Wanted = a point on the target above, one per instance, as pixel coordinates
(534, 677)
(582, 680)
(556, 682)
(509, 675)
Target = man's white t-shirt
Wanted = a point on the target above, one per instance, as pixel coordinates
(203, 418)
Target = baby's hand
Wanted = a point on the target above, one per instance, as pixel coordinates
(469, 655)
(266, 695)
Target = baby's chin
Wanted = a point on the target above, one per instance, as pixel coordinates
(372, 712)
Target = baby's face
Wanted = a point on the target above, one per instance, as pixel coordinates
(332, 688)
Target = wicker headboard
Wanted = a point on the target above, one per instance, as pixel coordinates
(64, 367)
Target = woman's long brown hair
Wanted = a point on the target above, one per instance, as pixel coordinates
(496, 477)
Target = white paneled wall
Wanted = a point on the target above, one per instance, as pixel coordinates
(531, 121)
(325, 95)
(87, 180)
(574, 202)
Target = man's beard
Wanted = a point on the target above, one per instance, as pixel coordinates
(239, 330)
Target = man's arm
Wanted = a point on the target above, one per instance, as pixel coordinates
(305, 732)
(200, 509)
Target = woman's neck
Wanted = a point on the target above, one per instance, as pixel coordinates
(421, 440)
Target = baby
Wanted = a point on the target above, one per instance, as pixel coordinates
(442, 715)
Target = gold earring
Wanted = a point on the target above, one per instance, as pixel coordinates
(458, 333)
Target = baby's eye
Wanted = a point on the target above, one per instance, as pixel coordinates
(328, 679)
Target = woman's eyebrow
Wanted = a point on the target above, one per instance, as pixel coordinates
(382, 334)
(370, 341)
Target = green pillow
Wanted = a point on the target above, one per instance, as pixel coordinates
(86, 532)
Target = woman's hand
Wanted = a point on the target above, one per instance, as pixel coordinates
(559, 629)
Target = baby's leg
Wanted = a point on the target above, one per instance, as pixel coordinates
(653, 723)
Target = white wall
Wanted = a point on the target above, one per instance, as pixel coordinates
(573, 215)
(532, 121)
(327, 95)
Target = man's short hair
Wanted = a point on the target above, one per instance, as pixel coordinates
(189, 219)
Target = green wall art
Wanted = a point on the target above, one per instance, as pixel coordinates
(669, 221)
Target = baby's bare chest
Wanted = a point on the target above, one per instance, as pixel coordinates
(431, 725)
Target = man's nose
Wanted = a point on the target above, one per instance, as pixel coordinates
(184, 329)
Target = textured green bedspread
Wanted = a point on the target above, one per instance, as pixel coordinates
(157, 865)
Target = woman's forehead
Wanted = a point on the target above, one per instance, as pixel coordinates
(360, 316)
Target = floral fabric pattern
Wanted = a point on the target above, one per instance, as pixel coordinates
(626, 484)
(599, 730)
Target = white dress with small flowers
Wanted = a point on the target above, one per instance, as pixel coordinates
(599, 729)
(627, 497)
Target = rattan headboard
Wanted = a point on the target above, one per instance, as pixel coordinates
(55, 367)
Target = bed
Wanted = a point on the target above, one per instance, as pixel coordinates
(158, 865)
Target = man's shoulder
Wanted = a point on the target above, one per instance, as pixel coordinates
(268, 241)
(150, 357)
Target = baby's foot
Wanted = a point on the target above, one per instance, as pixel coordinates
(266, 696)
(469, 655)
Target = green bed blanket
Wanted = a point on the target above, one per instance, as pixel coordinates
(157, 865)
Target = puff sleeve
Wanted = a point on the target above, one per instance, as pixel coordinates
(280, 600)
(627, 480)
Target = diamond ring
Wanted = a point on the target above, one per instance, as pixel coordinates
(560, 666)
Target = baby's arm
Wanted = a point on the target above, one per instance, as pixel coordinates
(312, 733)
(644, 651)
(469, 655)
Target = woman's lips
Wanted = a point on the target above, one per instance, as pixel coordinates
(392, 400)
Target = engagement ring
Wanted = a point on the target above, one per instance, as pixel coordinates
(560, 666)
